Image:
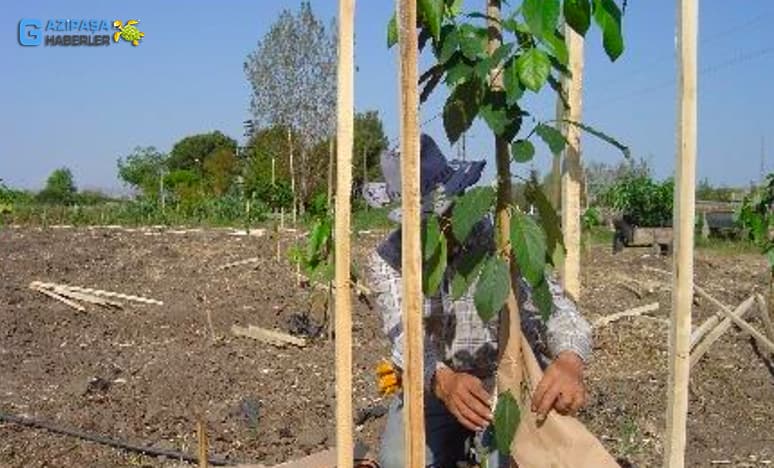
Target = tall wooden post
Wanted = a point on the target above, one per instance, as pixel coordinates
(411, 262)
(684, 214)
(344, 137)
(292, 175)
(571, 175)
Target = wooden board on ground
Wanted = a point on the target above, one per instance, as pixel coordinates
(271, 337)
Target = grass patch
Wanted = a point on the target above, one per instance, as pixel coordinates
(726, 246)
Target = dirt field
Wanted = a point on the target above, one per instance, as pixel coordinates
(145, 374)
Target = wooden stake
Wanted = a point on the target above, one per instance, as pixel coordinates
(684, 217)
(59, 298)
(343, 316)
(411, 255)
(633, 312)
(571, 176)
(509, 366)
(203, 446)
(713, 335)
(738, 321)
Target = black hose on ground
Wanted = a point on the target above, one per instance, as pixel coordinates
(172, 454)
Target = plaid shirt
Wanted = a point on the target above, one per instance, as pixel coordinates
(455, 336)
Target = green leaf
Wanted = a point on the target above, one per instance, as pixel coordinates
(541, 16)
(558, 47)
(458, 72)
(392, 32)
(503, 119)
(602, 136)
(467, 271)
(544, 301)
(577, 14)
(507, 417)
(513, 86)
(455, 8)
(534, 68)
(434, 256)
(449, 47)
(473, 41)
(461, 108)
(607, 15)
(469, 209)
(432, 15)
(549, 219)
(492, 288)
(529, 244)
(522, 150)
(552, 137)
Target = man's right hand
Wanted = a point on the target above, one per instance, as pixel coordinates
(465, 397)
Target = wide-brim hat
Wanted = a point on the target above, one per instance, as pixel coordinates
(439, 180)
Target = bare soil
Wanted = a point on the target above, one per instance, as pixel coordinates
(147, 373)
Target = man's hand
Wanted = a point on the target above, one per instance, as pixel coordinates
(561, 387)
(465, 397)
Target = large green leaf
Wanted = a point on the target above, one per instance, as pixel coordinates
(502, 118)
(449, 47)
(434, 256)
(513, 86)
(461, 108)
(492, 288)
(392, 32)
(529, 244)
(541, 16)
(577, 13)
(457, 71)
(549, 219)
(507, 417)
(473, 41)
(541, 296)
(607, 15)
(552, 137)
(469, 209)
(432, 15)
(534, 68)
(467, 270)
(558, 47)
(454, 7)
(522, 151)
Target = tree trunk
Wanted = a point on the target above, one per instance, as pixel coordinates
(509, 369)
(292, 175)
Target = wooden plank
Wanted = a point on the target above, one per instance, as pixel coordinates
(571, 177)
(271, 337)
(343, 297)
(743, 325)
(59, 298)
(411, 261)
(714, 334)
(684, 216)
(633, 312)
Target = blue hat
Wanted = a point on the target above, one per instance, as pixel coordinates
(439, 181)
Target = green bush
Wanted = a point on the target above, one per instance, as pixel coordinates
(641, 200)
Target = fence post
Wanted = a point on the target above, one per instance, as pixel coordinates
(571, 192)
(411, 255)
(684, 214)
(345, 134)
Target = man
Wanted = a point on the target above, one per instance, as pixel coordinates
(460, 355)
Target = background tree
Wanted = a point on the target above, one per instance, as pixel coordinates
(370, 141)
(220, 170)
(143, 169)
(191, 151)
(293, 75)
(60, 188)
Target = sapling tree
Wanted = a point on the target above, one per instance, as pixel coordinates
(489, 60)
(757, 218)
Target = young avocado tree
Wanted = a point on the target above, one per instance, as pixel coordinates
(757, 218)
(489, 60)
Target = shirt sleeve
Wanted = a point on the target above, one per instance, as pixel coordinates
(565, 330)
(385, 282)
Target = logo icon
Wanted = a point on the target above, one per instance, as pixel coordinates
(128, 32)
(29, 32)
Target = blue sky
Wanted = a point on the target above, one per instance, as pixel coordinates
(84, 107)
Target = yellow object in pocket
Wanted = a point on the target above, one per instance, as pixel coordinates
(387, 378)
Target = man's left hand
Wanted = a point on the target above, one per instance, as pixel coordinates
(561, 387)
